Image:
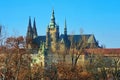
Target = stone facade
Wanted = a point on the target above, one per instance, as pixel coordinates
(50, 48)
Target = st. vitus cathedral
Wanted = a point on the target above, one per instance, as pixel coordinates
(53, 40)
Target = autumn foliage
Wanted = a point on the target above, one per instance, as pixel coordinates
(15, 64)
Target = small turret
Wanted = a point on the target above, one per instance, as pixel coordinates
(34, 29)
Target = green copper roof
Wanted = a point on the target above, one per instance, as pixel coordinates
(52, 22)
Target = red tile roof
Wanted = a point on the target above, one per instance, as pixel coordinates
(105, 51)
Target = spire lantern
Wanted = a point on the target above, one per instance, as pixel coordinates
(53, 17)
(52, 22)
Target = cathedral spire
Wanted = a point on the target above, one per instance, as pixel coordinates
(29, 24)
(0, 30)
(29, 31)
(65, 28)
(34, 29)
(52, 23)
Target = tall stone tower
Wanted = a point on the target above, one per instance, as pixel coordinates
(52, 35)
(31, 33)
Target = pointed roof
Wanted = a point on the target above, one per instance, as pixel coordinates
(65, 28)
(34, 23)
(0, 29)
(52, 22)
(29, 24)
(91, 39)
(65, 24)
(53, 17)
(34, 28)
(29, 30)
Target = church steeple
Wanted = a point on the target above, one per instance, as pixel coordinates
(52, 36)
(34, 29)
(0, 30)
(29, 21)
(65, 28)
(52, 22)
(29, 31)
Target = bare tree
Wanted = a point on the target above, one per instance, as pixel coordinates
(16, 60)
(103, 67)
(76, 49)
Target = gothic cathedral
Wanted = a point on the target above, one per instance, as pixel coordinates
(53, 40)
